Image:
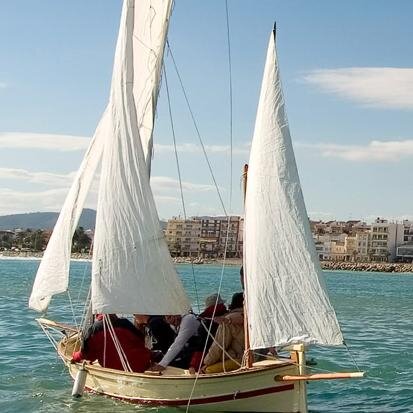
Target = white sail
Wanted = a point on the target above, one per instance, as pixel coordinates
(132, 270)
(149, 36)
(285, 293)
(53, 273)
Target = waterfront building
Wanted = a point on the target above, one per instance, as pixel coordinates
(323, 250)
(362, 245)
(338, 251)
(405, 252)
(204, 236)
(183, 237)
(228, 236)
(385, 237)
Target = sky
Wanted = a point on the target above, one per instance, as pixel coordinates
(347, 74)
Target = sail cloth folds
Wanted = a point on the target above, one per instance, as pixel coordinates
(132, 271)
(149, 35)
(286, 297)
(53, 273)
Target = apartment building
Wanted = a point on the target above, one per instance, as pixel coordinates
(205, 237)
(183, 237)
(404, 251)
(385, 236)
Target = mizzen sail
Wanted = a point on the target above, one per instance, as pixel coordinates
(287, 300)
(132, 270)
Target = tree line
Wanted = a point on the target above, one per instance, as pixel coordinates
(36, 240)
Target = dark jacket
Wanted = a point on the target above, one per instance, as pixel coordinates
(161, 332)
(203, 337)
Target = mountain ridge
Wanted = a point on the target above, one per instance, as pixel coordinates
(43, 220)
(47, 220)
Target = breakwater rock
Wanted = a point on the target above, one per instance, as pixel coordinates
(39, 254)
(367, 266)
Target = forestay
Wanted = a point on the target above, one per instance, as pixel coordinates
(286, 297)
(132, 270)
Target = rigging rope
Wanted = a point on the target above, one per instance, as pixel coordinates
(219, 194)
(179, 177)
(351, 355)
(197, 129)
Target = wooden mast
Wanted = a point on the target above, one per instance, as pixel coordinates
(248, 352)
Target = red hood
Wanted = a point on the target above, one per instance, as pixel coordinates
(209, 311)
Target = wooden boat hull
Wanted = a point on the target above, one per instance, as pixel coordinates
(252, 390)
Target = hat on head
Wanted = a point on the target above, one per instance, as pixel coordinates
(237, 301)
(212, 299)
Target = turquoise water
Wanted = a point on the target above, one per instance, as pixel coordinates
(374, 310)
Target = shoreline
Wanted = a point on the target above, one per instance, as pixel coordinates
(325, 265)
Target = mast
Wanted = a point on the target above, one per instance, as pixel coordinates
(248, 353)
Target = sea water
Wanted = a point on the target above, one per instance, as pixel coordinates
(374, 310)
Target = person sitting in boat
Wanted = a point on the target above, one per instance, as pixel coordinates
(214, 307)
(227, 350)
(180, 352)
(99, 344)
(157, 329)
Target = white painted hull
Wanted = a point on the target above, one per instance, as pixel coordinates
(252, 390)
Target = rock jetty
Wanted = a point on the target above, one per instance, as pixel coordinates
(367, 266)
(325, 265)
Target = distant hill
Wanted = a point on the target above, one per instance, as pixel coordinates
(43, 220)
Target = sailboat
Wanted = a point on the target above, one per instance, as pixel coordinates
(132, 272)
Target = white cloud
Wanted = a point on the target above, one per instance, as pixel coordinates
(238, 149)
(383, 87)
(322, 216)
(165, 189)
(373, 151)
(45, 178)
(3, 85)
(43, 141)
(160, 184)
(14, 202)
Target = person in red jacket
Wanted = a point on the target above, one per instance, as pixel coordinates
(98, 345)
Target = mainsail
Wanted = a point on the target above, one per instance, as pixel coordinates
(149, 21)
(149, 36)
(285, 293)
(132, 270)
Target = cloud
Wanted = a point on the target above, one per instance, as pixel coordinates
(165, 189)
(238, 148)
(3, 85)
(160, 184)
(320, 215)
(14, 202)
(45, 178)
(382, 87)
(43, 141)
(387, 151)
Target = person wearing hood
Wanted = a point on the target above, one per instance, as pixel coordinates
(227, 350)
(99, 344)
